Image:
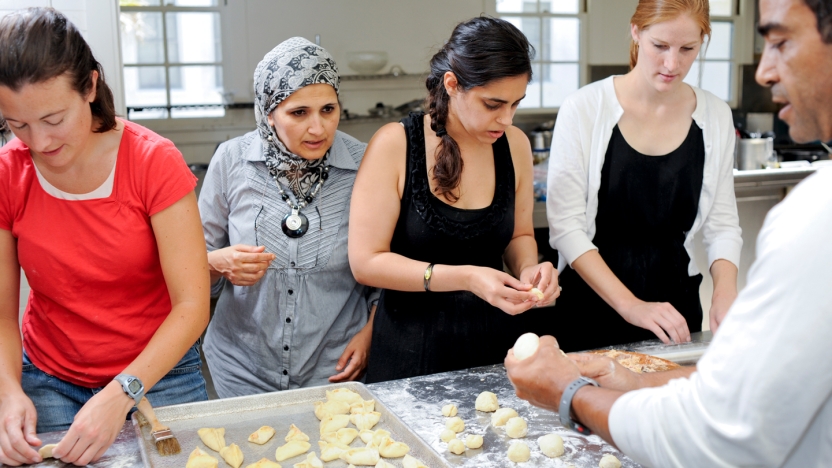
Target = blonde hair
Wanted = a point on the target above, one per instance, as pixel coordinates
(650, 12)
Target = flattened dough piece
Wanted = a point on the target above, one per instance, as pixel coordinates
(291, 449)
(330, 407)
(455, 424)
(449, 410)
(609, 461)
(343, 394)
(365, 420)
(361, 456)
(411, 462)
(486, 402)
(264, 463)
(344, 435)
(389, 448)
(384, 464)
(502, 415)
(519, 452)
(200, 459)
(447, 435)
(335, 422)
(213, 438)
(456, 446)
(551, 445)
(332, 450)
(46, 451)
(516, 428)
(295, 434)
(473, 441)
(363, 406)
(232, 455)
(262, 435)
(311, 461)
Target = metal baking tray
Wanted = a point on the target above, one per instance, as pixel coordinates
(243, 415)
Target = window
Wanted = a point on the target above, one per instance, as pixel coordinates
(172, 58)
(715, 70)
(554, 29)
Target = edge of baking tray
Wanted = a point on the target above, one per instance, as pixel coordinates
(230, 405)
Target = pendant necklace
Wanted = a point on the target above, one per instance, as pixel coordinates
(295, 224)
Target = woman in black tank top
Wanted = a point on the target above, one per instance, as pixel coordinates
(441, 203)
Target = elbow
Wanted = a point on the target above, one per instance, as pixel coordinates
(359, 270)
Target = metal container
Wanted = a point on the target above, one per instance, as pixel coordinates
(752, 153)
(541, 140)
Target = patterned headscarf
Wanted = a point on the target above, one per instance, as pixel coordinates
(290, 66)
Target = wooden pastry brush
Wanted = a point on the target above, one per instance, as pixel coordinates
(166, 443)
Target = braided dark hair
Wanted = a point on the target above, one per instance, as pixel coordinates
(39, 44)
(480, 50)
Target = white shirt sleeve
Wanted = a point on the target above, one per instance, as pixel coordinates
(767, 376)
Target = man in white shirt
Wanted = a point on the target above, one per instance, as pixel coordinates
(762, 393)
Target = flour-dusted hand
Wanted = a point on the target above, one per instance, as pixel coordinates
(18, 422)
(542, 377)
(242, 265)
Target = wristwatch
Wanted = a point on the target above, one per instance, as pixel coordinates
(132, 386)
(565, 409)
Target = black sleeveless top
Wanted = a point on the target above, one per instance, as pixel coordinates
(646, 206)
(418, 333)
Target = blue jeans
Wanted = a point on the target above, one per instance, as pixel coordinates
(58, 401)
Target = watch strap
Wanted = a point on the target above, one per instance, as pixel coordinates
(565, 408)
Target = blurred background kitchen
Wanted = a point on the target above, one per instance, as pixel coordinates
(184, 69)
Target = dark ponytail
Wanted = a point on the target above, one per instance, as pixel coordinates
(39, 44)
(480, 50)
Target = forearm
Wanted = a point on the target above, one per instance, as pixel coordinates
(213, 259)
(591, 407)
(724, 274)
(657, 379)
(592, 268)
(389, 270)
(521, 253)
(11, 357)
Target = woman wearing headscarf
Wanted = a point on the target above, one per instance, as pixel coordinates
(275, 212)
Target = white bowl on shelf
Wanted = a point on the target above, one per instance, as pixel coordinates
(366, 62)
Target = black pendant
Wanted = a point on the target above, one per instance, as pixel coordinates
(295, 223)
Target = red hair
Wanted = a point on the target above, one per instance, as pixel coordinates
(650, 12)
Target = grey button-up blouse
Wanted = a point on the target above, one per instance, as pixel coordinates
(290, 328)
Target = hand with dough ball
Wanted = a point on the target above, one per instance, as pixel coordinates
(543, 278)
(542, 377)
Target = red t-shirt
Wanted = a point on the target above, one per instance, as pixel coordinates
(97, 290)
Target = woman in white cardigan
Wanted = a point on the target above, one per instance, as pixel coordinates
(639, 164)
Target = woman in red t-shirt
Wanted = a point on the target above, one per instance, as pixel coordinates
(101, 215)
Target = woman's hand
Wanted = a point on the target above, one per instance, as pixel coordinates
(242, 265)
(544, 277)
(357, 353)
(18, 428)
(660, 318)
(501, 290)
(95, 426)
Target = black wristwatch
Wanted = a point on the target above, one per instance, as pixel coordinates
(132, 386)
(565, 409)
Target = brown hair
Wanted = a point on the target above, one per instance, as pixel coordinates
(823, 11)
(650, 12)
(480, 50)
(39, 44)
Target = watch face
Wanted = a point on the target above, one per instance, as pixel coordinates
(134, 386)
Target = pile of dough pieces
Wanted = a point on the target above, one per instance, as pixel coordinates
(550, 445)
(343, 406)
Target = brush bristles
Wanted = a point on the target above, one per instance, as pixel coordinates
(168, 446)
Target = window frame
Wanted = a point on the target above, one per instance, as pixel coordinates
(735, 61)
(583, 44)
(165, 8)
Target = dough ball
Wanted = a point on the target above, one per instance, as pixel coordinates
(213, 438)
(456, 446)
(516, 428)
(262, 435)
(449, 410)
(473, 441)
(486, 402)
(232, 455)
(526, 345)
(519, 452)
(455, 424)
(502, 415)
(609, 461)
(551, 445)
(447, 435)
(537, 293)
(46, 451)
